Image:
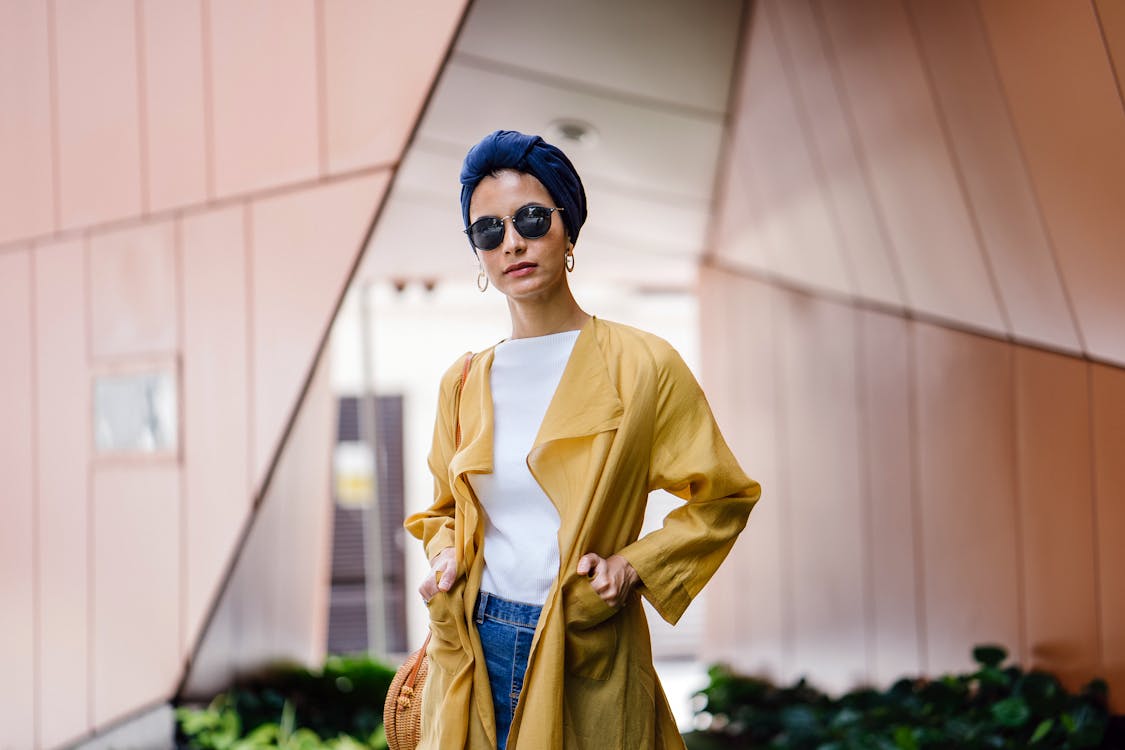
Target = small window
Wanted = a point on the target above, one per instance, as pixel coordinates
(136, 413)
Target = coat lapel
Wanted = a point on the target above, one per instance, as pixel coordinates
(475, 454)
(586, 401)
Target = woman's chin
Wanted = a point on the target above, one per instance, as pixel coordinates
(530, 287)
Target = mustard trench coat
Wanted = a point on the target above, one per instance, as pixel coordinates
(628, 417)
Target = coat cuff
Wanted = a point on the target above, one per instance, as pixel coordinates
(442, 538)
(669, 598)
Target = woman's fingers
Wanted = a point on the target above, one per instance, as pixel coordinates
(443, 572)
(612, 578)
(446, 573)
(588, 564)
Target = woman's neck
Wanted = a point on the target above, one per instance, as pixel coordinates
(530, 319)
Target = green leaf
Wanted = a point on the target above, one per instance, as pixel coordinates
(1097, 689)
(1011, 712)
(288, 722)
(1089, 726)
(344, 742)
(905, 739)
(1043, 692)
(378, 738)
(960, 730)
(990, 655)
(264, 736)
(845, 718)
(1042, 730)
(304, 739)
(994, 676)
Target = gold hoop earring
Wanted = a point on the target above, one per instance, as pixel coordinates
(482, 286)
(569, 262)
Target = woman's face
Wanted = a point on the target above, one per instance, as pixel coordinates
(520, 268)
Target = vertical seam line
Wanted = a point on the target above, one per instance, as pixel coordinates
(864, 454)
(319, 42)
(181, 444)
(781, 43)
(251, 426)
(142, 105)
(916, 499)
(860, 154)
(723, 166)
(56, 145)
(958, 169)
(515, 663)
(208, 97)
(1095, 547)
(1108, 53)
(91, 509)
(36, 492)
(1030, 181)
(1017, 509)
(789, 617)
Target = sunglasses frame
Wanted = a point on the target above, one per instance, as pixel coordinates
(550, 212)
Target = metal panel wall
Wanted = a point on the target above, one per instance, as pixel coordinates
(924, 490)
(165, 175)
(17, 467)
(979, 144)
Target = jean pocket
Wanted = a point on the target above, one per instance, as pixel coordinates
(591, 631)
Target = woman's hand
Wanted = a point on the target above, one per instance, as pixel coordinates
(443, 568)
(613, 577)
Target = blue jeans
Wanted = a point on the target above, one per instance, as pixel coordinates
(506, 629)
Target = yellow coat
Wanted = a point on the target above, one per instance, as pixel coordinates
(628, 417)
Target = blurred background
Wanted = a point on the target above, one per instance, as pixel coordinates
(887, 235)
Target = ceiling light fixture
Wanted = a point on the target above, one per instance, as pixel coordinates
(572, 132)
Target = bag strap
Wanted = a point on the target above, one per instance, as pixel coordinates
(406, 694)
(457, 402)
(457, 434)
(417, 664)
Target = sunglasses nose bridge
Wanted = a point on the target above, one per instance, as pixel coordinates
(511, 235)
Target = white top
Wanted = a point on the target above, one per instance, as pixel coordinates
(521, 545)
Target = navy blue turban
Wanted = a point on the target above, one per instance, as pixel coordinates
(507, 149)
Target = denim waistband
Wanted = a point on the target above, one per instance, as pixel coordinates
(503, 610)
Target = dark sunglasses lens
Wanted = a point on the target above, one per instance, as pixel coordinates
(486, 234)
(533, 221)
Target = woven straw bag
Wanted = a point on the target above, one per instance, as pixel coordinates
(402, 711)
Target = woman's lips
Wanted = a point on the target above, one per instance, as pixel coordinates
(519, 269)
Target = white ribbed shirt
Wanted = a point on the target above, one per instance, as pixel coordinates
(521, 545)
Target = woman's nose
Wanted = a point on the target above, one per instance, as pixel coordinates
(514, 242)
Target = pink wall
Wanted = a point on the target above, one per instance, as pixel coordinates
(926, 490)
(62, 401)
(917, 268)
(17, 533)
(938, 157)
(917, 247)
(186, 185)
(276, 603)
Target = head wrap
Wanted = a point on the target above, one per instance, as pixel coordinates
(507, 149)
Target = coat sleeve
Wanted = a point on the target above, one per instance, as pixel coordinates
(691, 460)
(434, 526)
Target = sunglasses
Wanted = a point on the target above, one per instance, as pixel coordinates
(532, 222)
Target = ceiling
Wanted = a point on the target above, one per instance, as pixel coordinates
(651, 80)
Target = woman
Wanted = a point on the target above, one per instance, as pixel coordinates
(539, 640)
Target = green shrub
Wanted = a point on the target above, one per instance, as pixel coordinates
(339, 707)
(993, 707)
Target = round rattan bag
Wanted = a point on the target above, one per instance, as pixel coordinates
(402, 711)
